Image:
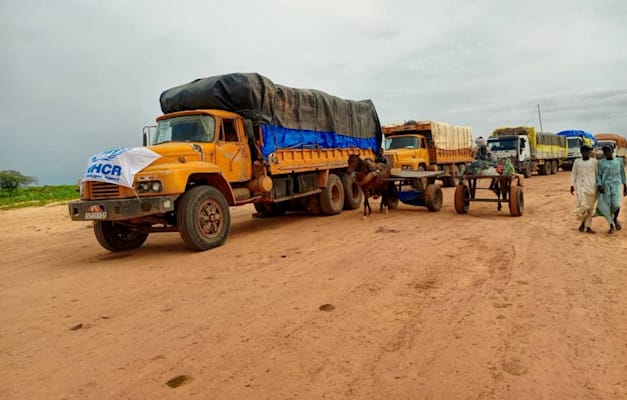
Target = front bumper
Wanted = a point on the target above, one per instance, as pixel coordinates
(120, 209)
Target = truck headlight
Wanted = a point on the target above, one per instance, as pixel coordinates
(149, 187)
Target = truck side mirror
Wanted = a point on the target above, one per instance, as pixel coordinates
(144, 139)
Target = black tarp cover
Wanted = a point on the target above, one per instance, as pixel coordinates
(257, 98)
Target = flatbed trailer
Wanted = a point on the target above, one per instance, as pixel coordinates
(507, 188)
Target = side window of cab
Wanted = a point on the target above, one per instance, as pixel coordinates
(228, 131)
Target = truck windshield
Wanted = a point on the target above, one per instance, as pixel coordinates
(502, 144)
(406, 142)
(188, 128)
(601, 143)
(573, 143)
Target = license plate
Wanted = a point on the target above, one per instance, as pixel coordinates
(96, 215)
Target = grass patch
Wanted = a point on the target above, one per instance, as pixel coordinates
(37, 196)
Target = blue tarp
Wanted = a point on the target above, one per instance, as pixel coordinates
(278, 137)
(576, 133)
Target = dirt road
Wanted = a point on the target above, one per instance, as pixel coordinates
(405, 305)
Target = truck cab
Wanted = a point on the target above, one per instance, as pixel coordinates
(514, 147)
(407, 151)
(218, 137)
(574, 152)
(602, 143)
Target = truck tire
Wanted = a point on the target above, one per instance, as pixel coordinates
(516, 201)
(462, 199)
(266, 210)
(433, 197)
(203, 218)
(554, 167)
(332, 197)
(117, 237)
(392, 199)
(353, 195)
(528, 170)
(452, 180)
(545, 168)
(420, 183)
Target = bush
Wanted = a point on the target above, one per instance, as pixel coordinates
(11, 180)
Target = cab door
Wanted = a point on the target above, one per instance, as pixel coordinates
(232, 154)
(422, 151)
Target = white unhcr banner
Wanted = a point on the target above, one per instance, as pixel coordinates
(118, 166)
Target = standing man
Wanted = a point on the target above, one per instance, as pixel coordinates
(611, 176)
(583, 179)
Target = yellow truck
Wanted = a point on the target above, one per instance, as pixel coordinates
(223, 141)
(429, 146)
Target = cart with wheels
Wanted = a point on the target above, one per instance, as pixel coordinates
(507, 188)
(416, 188)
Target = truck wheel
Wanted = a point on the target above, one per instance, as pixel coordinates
(516, 201)
(117, 237)
(332, 197)
(451, 181)
(271, 209)
(462, 199)
(203, 218)
(393, 199)
(420, 183)
(353, 195)
(544, 169)
(528, 170)
(433, 197)
(554, 167)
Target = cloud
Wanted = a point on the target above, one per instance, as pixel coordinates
(82, 77)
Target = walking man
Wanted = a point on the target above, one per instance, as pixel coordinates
(611, 176)
(583, 180)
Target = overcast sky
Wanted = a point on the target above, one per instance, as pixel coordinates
(79, 77)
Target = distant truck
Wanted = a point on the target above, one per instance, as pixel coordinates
(529, 150)
(575, 139)
(617, 142)
(429, 146)
(223, 141)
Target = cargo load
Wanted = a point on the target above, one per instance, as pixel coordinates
(289, 117)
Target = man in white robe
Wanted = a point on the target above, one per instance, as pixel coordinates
(583, 181)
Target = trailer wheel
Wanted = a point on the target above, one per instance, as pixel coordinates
(433, 197)
(117, 237)
(462, 199)
(353, 195)
(516, 201)
(203, 218)
(332, 197)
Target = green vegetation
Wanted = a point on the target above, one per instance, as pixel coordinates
(36, 196)
(11, 180)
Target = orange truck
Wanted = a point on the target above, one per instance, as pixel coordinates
(223, 141)
(429, 146)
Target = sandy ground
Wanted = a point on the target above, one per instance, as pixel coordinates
(404, 305)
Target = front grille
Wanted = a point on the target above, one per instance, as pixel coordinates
(102, 190)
